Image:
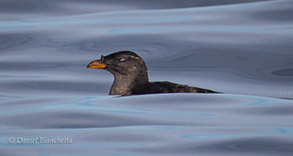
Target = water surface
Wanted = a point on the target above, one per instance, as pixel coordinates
(243, 49)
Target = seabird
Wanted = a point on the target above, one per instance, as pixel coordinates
(131, 76)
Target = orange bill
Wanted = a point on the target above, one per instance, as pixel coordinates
(96, 65)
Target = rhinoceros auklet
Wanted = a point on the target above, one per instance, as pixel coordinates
(131, 77)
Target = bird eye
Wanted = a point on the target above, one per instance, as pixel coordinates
(122, 60)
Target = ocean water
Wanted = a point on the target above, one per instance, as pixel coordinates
(51, 104)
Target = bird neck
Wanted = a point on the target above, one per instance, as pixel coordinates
(124, 84)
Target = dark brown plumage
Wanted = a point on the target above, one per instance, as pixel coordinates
(131, 77)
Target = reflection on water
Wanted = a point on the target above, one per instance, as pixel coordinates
(243, 50)
(166, 124)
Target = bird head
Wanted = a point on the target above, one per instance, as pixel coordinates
(120, 63)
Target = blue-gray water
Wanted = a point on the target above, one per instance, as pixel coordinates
(243, 49)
